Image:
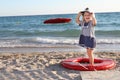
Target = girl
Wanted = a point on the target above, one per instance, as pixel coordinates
(87, 38)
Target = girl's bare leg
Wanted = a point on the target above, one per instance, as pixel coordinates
(90, 55)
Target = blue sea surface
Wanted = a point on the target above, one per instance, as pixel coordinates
(26, 31)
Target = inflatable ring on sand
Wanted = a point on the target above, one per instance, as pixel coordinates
(57, 20)
(83, 64)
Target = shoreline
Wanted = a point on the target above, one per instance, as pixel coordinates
(57, 48)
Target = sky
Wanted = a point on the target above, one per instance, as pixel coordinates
(42, 7)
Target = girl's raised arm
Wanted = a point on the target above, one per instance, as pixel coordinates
(78, 18)
(94, 21)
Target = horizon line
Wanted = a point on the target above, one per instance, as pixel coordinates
(52, 14)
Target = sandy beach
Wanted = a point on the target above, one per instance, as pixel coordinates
(45, 65)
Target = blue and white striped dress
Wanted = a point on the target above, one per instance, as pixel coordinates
(87, 37)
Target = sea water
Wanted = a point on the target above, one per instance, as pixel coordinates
(30, 31)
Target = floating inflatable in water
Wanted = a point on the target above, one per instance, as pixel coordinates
(57, 20)
(82, 64)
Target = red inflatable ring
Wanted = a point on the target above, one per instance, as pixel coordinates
(57, 20)
(82, 64)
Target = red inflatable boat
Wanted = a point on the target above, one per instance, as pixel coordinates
(57, 20)
(82, 64)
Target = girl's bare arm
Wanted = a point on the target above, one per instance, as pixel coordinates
(78, 18)
(94, 21)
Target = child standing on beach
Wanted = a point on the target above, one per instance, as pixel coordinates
(87, 38)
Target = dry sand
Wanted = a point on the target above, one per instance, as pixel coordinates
(44, 65)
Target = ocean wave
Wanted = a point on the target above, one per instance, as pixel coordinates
(108, 41)
(75, 40)
(113, 33)
(56, 33)
(109, 23)
(36, 42)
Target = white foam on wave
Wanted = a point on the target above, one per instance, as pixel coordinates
(36, 42)
(57, 40)
(108, 41)
(75, 40)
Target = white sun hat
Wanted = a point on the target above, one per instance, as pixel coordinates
(87, 10)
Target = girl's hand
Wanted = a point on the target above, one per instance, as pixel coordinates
(92, 15)
(80, 13)
(77, 18)
(94, 21)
